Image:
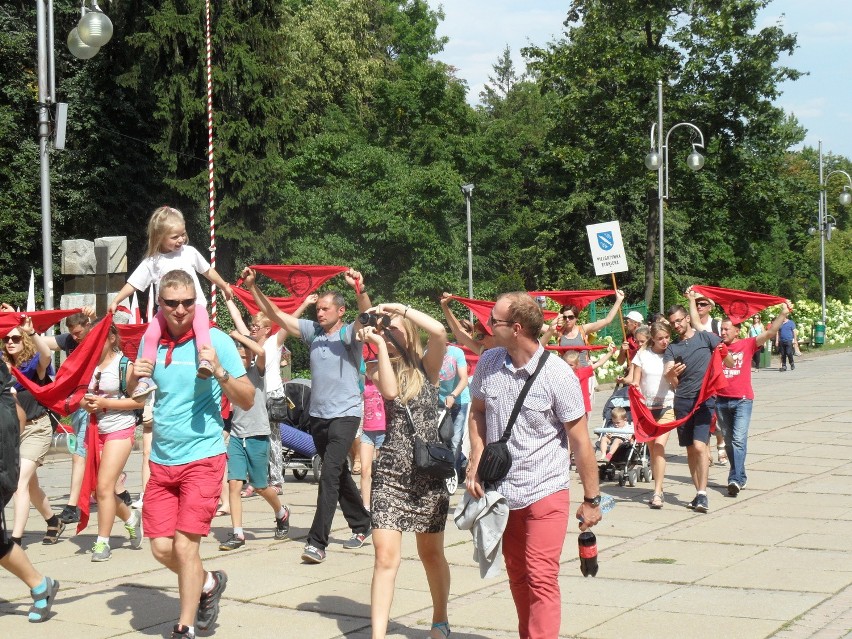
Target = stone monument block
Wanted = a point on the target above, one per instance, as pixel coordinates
(115, 255)
(78, 257)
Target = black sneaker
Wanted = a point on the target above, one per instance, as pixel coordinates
(182, 632)
(69, 515)
(356, 540)
(208, 606)
(733, 489)
(701, 504)
(233, 542)
(691, 505)
(282, 526)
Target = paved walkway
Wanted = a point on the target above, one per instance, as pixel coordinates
(774, 562)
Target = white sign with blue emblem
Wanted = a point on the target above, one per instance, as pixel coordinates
(607, 248)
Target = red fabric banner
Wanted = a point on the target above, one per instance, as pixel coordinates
(646, 427)
(42, 320)
(90, 474)
(738, 305)
(286, 304)
(130, 336)
(64, 393)
(580, 299)
(480, 308)
(300, 279)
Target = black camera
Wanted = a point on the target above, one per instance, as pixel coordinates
(379, 322)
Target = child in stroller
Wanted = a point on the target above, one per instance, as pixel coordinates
(622, 431)
(626, 458)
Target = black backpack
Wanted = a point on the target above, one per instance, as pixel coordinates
(10, 438)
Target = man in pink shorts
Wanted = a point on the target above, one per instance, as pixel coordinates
(187, 450)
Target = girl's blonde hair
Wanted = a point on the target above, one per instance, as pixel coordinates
(162, 222)
(408, 371)
(28, 349)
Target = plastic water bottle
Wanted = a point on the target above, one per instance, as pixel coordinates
(587, 543)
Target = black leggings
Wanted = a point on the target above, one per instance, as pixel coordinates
(786, 349)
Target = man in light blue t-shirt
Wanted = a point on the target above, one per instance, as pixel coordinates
(336, 406)
(187, 452)
(453, 392)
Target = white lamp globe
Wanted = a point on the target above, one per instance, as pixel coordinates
(695, 161)
(80, 49)
(95, 28)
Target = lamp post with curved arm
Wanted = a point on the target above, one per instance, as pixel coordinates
(824, 224)
(658, 160)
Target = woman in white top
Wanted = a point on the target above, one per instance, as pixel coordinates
(659, 397)
(108, 401)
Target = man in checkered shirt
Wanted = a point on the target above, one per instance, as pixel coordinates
(550, 425)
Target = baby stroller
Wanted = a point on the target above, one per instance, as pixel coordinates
(632, 461)
(299, 453)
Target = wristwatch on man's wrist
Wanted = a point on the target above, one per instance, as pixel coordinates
(594, 501)
(226, 376)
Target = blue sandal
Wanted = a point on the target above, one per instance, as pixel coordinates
(443, 628)
(42, 601)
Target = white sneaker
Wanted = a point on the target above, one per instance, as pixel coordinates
(138, 503)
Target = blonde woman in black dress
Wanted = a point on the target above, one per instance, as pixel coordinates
(404, 500)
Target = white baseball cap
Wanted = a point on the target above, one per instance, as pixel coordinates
(636, 316)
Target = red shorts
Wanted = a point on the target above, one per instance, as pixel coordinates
(127, 433)
(183, 497)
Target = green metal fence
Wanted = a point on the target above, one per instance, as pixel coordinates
(599, 311)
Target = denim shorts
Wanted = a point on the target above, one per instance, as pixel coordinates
(373, 438)
(697, 427)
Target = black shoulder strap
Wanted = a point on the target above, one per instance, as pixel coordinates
(526, 389)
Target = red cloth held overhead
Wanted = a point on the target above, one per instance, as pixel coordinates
(64, 393)
(480, 308)
(646, 427)
(130, 336)
(300, 279)
(42, 320)
(287, 304)
(580, 299)
(738, 305)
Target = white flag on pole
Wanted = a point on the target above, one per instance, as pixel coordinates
(134, 310)
(31, 293)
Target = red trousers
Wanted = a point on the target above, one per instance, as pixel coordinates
(532, 546)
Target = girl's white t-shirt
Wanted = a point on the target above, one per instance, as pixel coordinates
(111, 421)
(152, 269)
(654, 386)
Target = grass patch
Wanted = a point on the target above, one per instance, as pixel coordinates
(658, 560)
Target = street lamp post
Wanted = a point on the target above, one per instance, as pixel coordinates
(825, 222)
(658, 160)
(84, 41)
(467, 191)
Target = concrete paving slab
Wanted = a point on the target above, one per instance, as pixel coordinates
(742, 529)
(677, 625)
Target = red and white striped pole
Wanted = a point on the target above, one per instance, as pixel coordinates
(212, 190)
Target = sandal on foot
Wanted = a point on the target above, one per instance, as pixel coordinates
(144, 387)
(723, 457)
(443, 628)
(248, 491)
(656, 501)
(40, 610)
(51, 536)
(205, 370)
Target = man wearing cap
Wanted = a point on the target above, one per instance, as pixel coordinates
(629, 346)
(699, 313)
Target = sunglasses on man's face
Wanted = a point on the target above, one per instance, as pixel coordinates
(702, 303)
(175, 303)
(15, 339)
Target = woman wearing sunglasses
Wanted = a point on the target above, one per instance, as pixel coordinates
(108, 402)
(402, 499)
(567, 328)
(29, 353)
